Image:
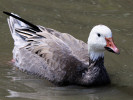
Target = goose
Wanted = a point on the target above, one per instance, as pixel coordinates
(59, 57)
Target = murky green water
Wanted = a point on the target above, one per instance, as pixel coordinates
(76, 17)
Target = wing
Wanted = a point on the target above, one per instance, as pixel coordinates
(59, 62)
(78, 47)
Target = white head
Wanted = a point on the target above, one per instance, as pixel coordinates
(100, 38)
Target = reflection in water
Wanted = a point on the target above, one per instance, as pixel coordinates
(67, 93)
(76, 17)
(47, 96)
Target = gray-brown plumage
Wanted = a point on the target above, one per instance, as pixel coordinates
(58, 57)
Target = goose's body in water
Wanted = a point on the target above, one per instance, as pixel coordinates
(59, 57)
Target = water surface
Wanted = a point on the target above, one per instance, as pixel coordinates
(75, 17)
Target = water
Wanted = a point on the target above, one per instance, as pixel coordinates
(76, 17)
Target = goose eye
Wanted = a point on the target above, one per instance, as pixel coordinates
(98, 34)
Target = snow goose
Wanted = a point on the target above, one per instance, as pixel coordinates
(59, 57)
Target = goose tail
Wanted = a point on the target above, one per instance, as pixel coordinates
(20, 29)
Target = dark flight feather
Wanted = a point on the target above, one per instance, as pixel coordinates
(26, 22)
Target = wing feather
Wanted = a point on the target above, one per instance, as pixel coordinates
(62, 41)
